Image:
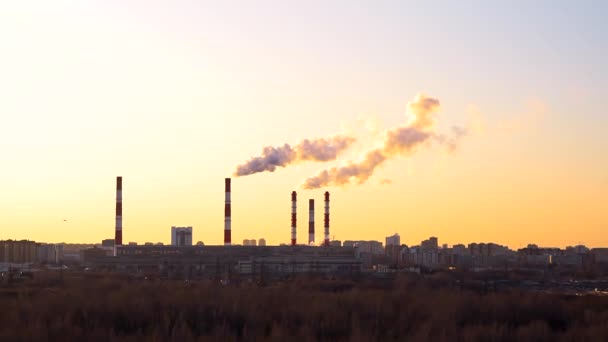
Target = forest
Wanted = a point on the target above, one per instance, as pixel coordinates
(111, 307)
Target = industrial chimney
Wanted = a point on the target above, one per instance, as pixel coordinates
(227, 216)
(326, 221)
(118, 230)
(311, 221)
(293, 217)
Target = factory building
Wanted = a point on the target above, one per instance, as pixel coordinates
(182, 258)
(208, 261)
(250, 242)
(181, 236)
(107, 243)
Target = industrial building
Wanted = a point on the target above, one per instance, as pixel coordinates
(182, 259)
(208, 261)
(181, 236)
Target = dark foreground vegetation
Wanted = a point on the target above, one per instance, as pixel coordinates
(95, 307)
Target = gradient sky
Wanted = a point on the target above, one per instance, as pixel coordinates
(174, 95)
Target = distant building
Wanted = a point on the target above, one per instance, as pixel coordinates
(487, 249)
(336, 243)
(107, 243)
(460, 249)
(600, 255)
(181, 236)
(580, 249)
(13, 251)
(262, 242)
(132, 243)
(430, 244)
(49, 253)
(87, 254)
(249, 242)
(371, 247)
(200, 243)
(393, 240)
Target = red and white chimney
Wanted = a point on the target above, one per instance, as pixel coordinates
(311, 221)
(118, 230)
(326, 221)
(293, 217)
(227, 216)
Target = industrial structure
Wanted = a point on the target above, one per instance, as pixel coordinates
(294, 221)
(118, 227)
(181, 236)
(182, 258)
(326, 220)
(311, 221)
(227, 216)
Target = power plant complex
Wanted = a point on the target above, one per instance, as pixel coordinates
(183, 258)
(255, 260)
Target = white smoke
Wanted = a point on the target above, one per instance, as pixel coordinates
(397, 141)
(324, 149)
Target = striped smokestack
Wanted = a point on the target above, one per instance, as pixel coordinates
(118, 231)
(326, 221)
(293, 217)
(227, 216)
(311, 221)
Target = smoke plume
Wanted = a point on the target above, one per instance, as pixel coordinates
(397, 141)
(324, 149)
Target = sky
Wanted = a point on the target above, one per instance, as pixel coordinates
(174, 95)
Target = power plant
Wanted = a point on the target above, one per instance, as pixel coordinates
(182, 256)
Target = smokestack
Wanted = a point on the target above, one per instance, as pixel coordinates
(326, 221)
(227, 216)
(311, 221)
(118, 231)
(293, 217)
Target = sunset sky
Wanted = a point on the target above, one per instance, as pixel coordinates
(174, 95)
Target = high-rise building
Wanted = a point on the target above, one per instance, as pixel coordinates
(431, 243)
(262, 242)
(181, 236)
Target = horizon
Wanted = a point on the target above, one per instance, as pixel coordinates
(470, 122)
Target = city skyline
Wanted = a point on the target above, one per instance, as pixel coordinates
(174, 97)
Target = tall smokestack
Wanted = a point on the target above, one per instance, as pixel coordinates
(118, 231)
(326, 221)
(227, 216)
(293, 217)
(311, 221)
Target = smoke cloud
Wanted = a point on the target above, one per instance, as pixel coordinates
(324, 149)
(452, 140)
(397, 141)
